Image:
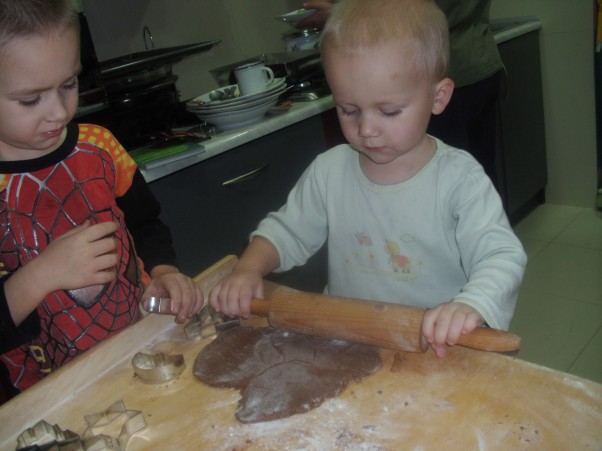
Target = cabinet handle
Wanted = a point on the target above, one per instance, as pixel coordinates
(244, 177)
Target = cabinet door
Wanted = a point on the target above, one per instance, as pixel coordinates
(522, 126)
(213, 206)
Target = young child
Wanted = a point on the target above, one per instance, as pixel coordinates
(69, 198)
(407, 218)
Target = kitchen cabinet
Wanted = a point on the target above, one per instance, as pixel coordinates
(521, 127)
(213, 206)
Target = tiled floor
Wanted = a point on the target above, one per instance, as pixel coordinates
(559, 310)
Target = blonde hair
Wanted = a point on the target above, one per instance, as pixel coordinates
(356, 25)
(22, 18)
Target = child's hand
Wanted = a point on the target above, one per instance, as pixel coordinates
(186, 296)
(443, 325)
(232, 295)
(81, 257)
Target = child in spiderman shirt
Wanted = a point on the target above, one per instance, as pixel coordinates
(81, 241)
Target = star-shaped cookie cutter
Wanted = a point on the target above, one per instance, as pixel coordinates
(208, 323)
(116, 422)
(155, 368)
(44, 435)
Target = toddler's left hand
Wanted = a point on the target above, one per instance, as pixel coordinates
(443, 325)
(186, 296)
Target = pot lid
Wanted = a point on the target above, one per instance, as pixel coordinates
(148, 59)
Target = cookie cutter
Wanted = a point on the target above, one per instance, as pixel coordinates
(115, 422)
(43, 435)
(155, 368)
(208, 323)
(155, 304)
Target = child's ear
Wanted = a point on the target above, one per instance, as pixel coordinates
(443, 93)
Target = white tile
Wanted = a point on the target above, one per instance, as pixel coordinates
(568, 271)
(554, 329)
(533, 247)
(584, 231)
(546, 222)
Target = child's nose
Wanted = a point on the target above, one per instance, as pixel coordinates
(58, 109)
(367, 126)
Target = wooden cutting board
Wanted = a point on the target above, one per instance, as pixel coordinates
(469, 400)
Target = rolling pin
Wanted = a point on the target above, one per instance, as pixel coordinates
(382, 324)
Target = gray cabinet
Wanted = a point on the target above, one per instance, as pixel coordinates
(522, 133)
(211, 209)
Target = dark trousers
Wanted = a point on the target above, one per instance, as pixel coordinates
(469, 122)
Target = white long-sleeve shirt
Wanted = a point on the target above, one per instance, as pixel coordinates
(440, 236)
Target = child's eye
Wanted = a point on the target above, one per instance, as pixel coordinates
(345, 112)
(30, 103)
(391, 113)
(72, 84)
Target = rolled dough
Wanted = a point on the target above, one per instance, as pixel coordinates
(282, 373)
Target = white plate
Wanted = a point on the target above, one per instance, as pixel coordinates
(297, 15)
(207, 116)
(204, 101)
(230, 121)
(237, 107)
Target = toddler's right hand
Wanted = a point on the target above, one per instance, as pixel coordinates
(232, 295)
(81, 257)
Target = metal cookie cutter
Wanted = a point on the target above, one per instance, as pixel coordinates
(42, 435)
(154, 304)
(115, 422)
(208, 323)
(154, 368)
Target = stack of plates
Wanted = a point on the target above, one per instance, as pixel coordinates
(235, 112)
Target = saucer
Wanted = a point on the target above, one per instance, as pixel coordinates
(296, 16)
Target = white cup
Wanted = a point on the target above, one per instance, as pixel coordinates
(253, 77)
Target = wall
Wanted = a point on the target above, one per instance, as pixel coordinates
(248, 28)
(567, 52)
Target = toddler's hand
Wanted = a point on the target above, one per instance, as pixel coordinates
(232, 295)
(81, 257)
(443, 325)
(186, 296)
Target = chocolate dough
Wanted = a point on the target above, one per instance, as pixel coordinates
(282, 373)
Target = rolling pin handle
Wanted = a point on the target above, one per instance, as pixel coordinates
(260, 307)
(487, 339)
(424, 345)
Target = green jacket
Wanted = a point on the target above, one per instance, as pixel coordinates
(473, 52)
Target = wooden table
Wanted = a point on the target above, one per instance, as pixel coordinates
(468, 400)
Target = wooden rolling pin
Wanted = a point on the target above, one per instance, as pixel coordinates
(387, 325)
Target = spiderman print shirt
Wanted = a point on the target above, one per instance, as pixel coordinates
(88, 178)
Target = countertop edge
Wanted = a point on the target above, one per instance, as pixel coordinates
(228, 140)
(515, 27)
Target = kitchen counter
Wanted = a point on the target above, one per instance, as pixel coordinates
(467, 400)
(224, 141)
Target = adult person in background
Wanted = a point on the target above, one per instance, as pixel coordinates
(469, 121)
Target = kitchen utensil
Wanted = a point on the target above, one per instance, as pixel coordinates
(154, 304)
(391, 326)
(387, 325)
